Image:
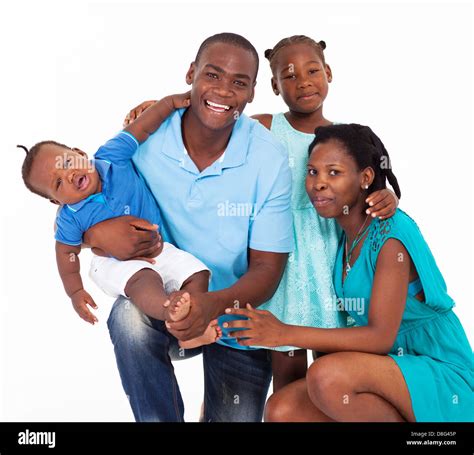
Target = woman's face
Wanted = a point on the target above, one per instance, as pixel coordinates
(301, 78)
(334, 183)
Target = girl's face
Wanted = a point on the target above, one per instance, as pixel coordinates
(334, 183)
(301, 78)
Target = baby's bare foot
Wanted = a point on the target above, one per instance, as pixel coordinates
(211, 335)
(180, 305)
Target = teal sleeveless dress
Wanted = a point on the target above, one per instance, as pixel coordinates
(305, 292)
(431, 348)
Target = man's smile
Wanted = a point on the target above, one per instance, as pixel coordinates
(216, 107)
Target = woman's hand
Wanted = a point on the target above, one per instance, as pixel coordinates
(177, 101)
(125, 237)
(263, 329)
(383, 204)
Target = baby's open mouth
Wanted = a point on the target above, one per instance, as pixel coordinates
(81, 182)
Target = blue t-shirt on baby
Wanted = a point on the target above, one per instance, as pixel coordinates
(124, 192)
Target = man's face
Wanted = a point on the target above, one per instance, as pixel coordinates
(223, 83)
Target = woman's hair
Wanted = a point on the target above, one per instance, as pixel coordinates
(31, 156)
(295, 39)
(365, 147)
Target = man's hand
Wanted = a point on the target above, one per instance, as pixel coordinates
(80, 301)
(125, 237)
(199, 317)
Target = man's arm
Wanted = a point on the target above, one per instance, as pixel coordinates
(270, 240)
(256, 286)
(152, 118)
(124, 237)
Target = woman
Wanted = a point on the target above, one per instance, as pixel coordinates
(409, 358)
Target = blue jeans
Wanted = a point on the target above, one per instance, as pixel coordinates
(235, 382)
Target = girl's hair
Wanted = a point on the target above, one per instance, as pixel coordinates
(365, 147)
(31, 155)
(295, 39)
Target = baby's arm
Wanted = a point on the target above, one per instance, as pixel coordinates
(152, 118)
(67, 258)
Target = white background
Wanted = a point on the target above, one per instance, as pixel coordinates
(71, 71)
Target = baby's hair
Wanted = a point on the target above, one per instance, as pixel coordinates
(295, 39)
(366, 149)
(31, 155)
(228, 38)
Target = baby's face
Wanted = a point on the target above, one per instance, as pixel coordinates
(65, 175)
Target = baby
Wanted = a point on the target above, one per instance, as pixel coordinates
(91, 191)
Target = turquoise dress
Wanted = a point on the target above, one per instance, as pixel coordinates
(431, 348)
(305, 292)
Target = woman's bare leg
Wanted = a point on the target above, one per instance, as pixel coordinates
(292, 404)
(357, 386)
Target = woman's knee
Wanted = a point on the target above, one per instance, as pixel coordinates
(278, 409)
(327, 379)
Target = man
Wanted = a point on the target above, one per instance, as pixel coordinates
(206, 166)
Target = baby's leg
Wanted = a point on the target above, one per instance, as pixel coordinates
(288, 367)
(198, 282)
(145, 289)
(180, 301)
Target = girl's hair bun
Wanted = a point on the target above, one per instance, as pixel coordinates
(322, 44)
(267, 53)
(24, 148)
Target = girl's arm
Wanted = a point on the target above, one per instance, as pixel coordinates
(387, 303)
(264, 119)
(383, 204)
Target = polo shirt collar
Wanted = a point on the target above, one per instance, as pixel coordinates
(234, 155)
(103, 168)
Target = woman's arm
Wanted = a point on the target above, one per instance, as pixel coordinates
(387, 303)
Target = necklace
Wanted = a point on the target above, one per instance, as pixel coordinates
(356, 241)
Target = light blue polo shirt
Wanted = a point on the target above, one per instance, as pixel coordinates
(241, 201)
(124, 192)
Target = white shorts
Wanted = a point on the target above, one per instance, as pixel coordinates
(173, 265)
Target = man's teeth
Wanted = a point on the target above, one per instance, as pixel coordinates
(218, 106)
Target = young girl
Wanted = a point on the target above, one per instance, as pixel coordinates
(409, 358)
(301, 76)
